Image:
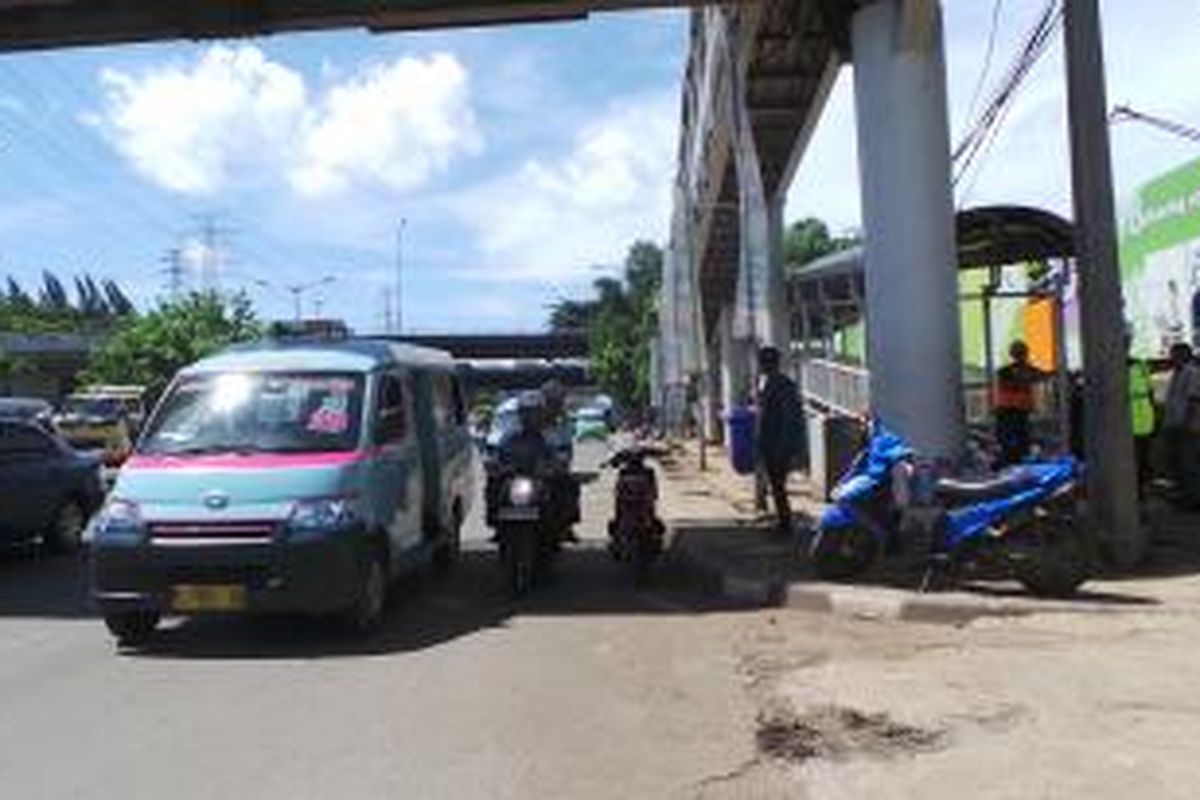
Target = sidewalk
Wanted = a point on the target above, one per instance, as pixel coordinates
(720, 539)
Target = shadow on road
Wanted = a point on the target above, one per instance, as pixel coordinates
(753, 551)
(429, 610)
(35, 584)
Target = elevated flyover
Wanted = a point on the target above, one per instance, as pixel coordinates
(557, 346)
(31, 24)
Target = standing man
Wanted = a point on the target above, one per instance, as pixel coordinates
(1181, 424)
(780, 432)
(1014, 403)
(1141, 407)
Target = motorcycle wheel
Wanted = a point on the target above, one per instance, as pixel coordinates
(1051, 559)
(519, 557)
(842, 553)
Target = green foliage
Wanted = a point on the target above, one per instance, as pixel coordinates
(620, 321)
(53, 312)
(150, 349)
(809, 239)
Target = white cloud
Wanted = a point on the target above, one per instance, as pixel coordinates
(235, 115)
(550, 219)
(397, 124)
(188, 128)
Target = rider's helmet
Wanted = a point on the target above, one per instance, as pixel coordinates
(555, 396)
(530, 409)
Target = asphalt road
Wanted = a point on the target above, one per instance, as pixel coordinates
(586, 689)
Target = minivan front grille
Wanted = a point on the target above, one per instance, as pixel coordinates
(248, 531)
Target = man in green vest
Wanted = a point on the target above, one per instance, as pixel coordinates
(1141, 403)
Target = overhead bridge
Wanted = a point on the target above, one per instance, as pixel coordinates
(31, 24)
(504, 346)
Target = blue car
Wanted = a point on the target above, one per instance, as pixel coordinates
(47, 490)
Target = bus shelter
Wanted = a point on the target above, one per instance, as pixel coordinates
(1016, 281)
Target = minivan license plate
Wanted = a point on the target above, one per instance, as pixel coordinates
(209, 597)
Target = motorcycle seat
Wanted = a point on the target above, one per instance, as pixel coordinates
(955, 491)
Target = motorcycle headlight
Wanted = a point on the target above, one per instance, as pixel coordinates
(323, 514)
(521, 491)
(118, 517)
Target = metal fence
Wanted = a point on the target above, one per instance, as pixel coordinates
(836, 387)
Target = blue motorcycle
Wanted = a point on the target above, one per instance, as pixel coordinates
(1023, 519)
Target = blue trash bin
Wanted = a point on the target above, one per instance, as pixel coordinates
(741, 422)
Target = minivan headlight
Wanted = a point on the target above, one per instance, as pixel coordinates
(322, 514)
(118, 517)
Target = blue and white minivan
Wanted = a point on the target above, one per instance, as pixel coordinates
(287, 477)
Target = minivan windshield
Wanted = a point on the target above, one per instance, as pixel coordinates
(258, 412)
(107, 407)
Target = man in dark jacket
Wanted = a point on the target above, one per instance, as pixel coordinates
(780, 431)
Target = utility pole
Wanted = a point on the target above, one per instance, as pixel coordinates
(175, 272)
(297, 291)
(399, 310)
(1111, 477)
(212, 253)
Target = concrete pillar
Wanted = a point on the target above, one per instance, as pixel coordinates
(913, 347)
(733, 364)
(713, 431)
(778, 327)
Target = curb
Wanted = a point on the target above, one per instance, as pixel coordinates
(867, 601)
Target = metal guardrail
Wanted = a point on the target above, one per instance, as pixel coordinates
(843, 388)
(47, 343)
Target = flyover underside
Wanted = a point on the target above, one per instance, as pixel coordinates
(549, 346)
(31, 24)
(789, 62)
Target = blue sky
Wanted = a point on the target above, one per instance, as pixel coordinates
(524, 159)
(519, 157)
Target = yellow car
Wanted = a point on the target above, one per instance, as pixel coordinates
(102, 420)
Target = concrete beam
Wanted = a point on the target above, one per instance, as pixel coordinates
(31, 24)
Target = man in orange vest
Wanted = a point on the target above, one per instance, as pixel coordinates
(1014, 403)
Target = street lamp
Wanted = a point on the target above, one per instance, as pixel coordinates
(297, 290)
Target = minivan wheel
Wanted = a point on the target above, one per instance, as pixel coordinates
(66, 533)
(366, 615)
(131, 628)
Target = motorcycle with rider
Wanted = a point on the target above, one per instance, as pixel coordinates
(529, 498)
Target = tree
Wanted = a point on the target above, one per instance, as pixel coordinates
(150, 349)
(572, 315)
(117, 301)
(809, 239)
(53, 297)
(17, 297)
(620, 321)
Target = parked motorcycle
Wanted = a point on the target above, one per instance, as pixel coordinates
(636, 534)
(1023, 519)
(529, 530)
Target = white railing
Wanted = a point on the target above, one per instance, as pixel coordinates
(839, 387)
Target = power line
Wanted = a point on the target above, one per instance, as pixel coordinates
(1123, 113)
(1037, 42)
(987, 57)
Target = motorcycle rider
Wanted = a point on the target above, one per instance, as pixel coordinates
(556, 429)
(528, 450)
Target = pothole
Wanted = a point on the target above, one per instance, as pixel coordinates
(836, 732)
